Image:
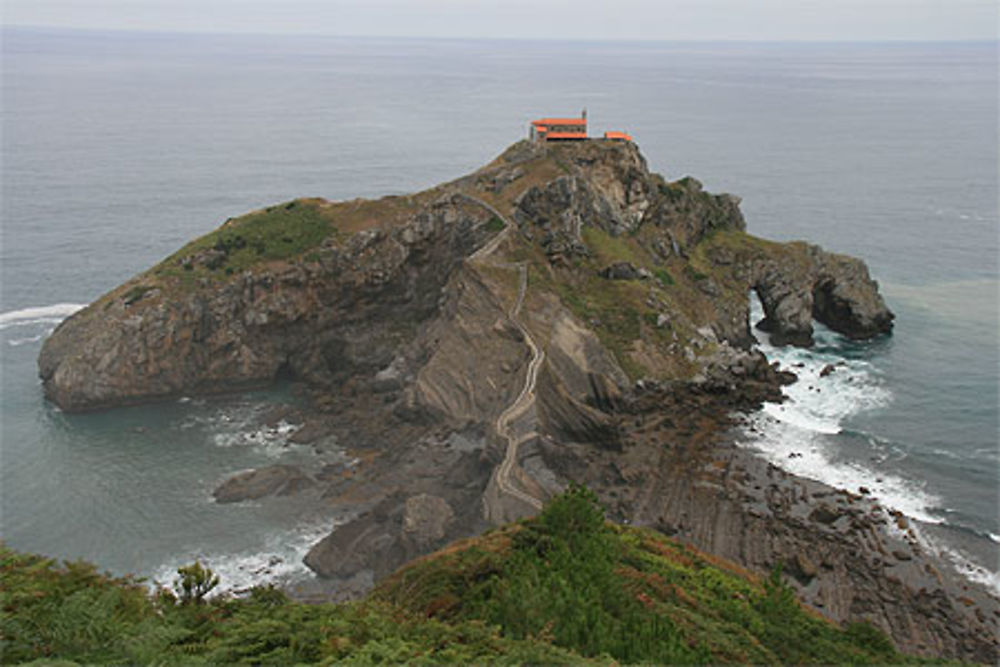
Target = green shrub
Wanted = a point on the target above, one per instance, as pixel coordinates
(135, 293)
(73, 613)
(194, 582)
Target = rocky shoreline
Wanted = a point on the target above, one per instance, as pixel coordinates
(848, 557)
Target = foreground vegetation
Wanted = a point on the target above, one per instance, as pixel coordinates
(565, 587)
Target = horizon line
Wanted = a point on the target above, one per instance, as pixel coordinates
(454, 38)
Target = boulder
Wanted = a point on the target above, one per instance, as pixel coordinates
(276, 480)
(621, 271)
(825, 514)
(802, 568)
(425, 520)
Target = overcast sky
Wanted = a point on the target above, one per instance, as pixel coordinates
(563, 19)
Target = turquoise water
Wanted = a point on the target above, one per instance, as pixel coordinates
(117, 148)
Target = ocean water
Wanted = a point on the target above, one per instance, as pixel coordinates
(119, 147)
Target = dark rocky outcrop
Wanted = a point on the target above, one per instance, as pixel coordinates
(276, 480)
(832, 289)
(623, 271)
(687, 214)
(570, 418)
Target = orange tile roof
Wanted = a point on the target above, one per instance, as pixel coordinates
(559, 121)
(614, 134)
(581, 134)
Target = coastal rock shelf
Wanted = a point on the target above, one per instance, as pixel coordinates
(561, 314)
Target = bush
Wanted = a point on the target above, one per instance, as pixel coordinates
(194, 582)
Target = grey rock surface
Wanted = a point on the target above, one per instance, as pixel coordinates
(276, 480)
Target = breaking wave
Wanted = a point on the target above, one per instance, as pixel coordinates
(278, 561)
(49, 315)
(965, 565)
(31, 325)
(804, 434)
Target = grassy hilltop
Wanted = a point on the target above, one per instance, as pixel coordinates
(564, 587)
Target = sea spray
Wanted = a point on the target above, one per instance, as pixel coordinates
(240, 426)
(52, 314)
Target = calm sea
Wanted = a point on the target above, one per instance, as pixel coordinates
(119, 147)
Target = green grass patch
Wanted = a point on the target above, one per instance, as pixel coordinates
(275, 233)
(664, 277)
(495, 225)
(608, 249)
(694, 274)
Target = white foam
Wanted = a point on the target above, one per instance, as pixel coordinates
(278, 561)
(799, 436)
(821, 403)
(962, 562)
(799, 415)
(239, 426)
(808, 453)
(272, 440)
(796, 435)
(17, 342)
(53, 314)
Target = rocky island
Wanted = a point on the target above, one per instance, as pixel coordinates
(560, 315)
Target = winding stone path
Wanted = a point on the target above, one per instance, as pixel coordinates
(526, 397)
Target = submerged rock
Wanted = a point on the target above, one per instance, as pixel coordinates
(276, 480)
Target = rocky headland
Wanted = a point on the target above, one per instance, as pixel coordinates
(562, 314)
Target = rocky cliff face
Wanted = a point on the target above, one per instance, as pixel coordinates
(365, 293)
(344, 310)
(479, 345)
